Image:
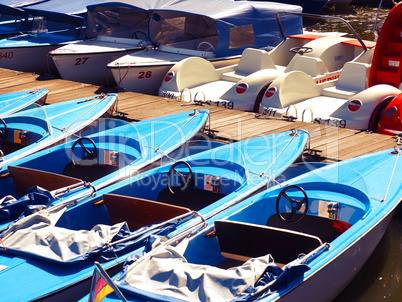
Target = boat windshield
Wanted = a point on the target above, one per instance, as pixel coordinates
(116, 142)
(11, 19)
(120, 22)
(35, 115)
(23, 128)
(183, 30)
(340, 174)
(189, 148)
(57, 24)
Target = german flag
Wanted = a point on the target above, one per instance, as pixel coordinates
(102, 285)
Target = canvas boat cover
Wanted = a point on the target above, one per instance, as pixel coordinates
(165, 275)
(38, 236)
(71, 7)
(12, 11)
(20, 3)
(229, 26)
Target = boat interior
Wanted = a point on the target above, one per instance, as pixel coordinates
(82, 160)
(270, 226)
(152, 199)
(20, 131)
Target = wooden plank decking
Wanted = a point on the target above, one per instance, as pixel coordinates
(332, 144)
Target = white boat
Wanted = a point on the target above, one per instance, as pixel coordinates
(114, 29)
(216, 30)
(319, 55)
(49, 25)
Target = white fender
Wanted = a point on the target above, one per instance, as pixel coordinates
(369, 99)
(290, 88)
(255, 83)
(190, 72)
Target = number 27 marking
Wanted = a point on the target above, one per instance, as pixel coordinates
(80, 61)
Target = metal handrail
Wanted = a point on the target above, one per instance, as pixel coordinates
(311, 111)
(323, 17)
(290, 107)
(182, 92)
(203, 94)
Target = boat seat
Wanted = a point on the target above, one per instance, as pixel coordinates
(138, 212)
(311, 65)
(242, 241)
(251, 60)
(353, 79)
(25, 178)
(195, 199)
(88, 172)
(322, 227)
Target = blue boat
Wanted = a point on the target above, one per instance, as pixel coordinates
(175, 197)
(304, 239)
(16, 101)
(11, 20)
(110, 150)
(31, 130)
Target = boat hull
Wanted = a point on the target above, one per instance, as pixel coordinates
(13, 102)
(147, 79)
(329, 281)
(88, 67)
(29, 59)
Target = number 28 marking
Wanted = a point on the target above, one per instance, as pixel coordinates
(145, 74)
(81, 61)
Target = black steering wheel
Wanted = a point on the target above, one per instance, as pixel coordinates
(295, 205)
(185, 179)
(301, 50)
(3, 132)
(137, 34)
(88, 157)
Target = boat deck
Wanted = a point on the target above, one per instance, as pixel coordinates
(329, 144)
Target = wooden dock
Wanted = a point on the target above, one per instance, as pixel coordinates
(330, 144)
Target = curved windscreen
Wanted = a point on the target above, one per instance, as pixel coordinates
(190, 148)
(22, 129)
(340, 174)
(178, 29)
(121, 22)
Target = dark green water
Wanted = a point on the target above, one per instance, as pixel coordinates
(381, 277)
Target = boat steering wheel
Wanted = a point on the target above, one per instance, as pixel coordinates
(295, 205)
(301, 50)
(3, 133)
(185, 179)
(137, 34)
(87, 154)
(209, 46)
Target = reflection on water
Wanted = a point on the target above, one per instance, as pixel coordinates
(380, 278)
(361, 18)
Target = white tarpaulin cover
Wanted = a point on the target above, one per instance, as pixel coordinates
(38, 236)
(167, 274)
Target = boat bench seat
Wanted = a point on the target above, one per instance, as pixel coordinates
(252, 60)
(25, 178)
(311, 65)
(242, 241)
(353, 79)
(138, 212)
